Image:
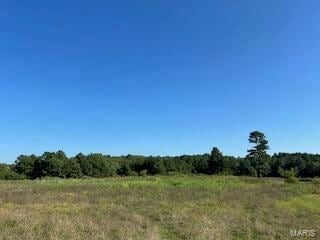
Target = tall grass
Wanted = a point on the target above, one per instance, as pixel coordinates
(166, 207)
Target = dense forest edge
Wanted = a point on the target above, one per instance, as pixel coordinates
(256, 164)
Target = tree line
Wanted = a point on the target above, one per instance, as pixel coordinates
(257, 163)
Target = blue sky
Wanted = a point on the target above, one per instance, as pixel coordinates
(158, 77)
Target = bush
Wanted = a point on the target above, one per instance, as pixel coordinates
(143, 172)
(14, 176)
(291, 180)
(6, 173)
(289, 175)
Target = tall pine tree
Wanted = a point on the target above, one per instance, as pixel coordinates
(257, 155)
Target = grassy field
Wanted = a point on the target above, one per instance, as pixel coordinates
(173, 207)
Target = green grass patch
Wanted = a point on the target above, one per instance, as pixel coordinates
(306, 202)
(157, 207)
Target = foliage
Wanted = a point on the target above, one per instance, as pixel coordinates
(257, 163)
(291, 180)
(25, 165)
(306, 165)
(6, 173)
(216, 162)
(257, 155)
(289, 175)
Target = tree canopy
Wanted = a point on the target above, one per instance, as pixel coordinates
(257, 155)
(256, 163)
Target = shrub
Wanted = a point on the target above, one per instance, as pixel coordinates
(6, 173)
(143, 172)
(291, 180)
(289, 175)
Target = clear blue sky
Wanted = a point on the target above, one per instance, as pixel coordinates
(158, 77)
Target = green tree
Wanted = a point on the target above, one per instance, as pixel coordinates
(25, 164)
(50, 164)
(216, 162)
(85, 165)
(102, 166)
(72, 169)
(55, 163)
(155, 165)
(257, 155)
(200, 163)
(245, 168)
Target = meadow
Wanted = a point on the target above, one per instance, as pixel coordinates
(158, 207)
